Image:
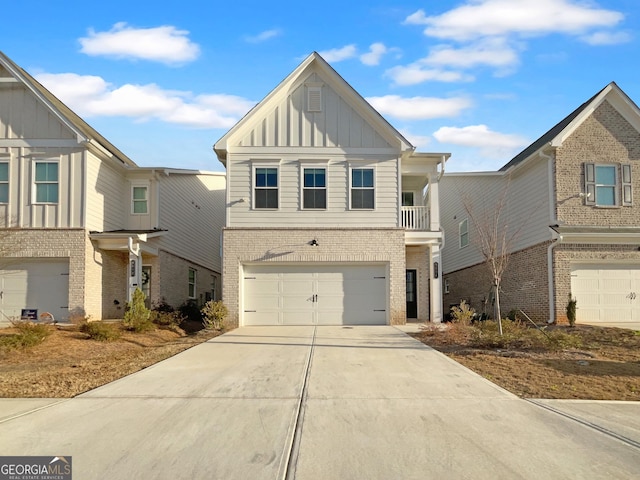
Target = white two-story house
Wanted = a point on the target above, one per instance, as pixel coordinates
(82, 226)
(332, 216)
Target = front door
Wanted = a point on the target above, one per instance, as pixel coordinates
(412, 294)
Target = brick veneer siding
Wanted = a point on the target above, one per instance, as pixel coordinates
(564, 255)
(272, 245)
(172, 274)
(525, 285)
(418, 259)
(54, 243)
(604, 137)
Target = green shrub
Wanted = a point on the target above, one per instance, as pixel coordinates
(29, 335)
(137, 315)
(571, 310)
(167, 320)
(100, 331)
(190, 311)
(213, 315)
(462, 313)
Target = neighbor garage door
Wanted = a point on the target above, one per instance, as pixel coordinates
(606, 293)
(315, 295)
(41, 284)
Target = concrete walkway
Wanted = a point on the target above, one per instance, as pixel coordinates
(325, 403)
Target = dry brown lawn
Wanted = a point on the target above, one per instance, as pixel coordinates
(588, 362)
(68, 363)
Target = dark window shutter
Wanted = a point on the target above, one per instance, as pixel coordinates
(627, 193)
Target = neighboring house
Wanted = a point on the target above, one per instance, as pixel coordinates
(569, 196)
(332, 217)
(83, 226)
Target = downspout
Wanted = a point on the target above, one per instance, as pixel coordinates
(555, 237)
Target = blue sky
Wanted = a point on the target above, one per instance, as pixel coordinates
(480, 79)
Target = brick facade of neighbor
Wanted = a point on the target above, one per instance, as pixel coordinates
(525, 285)
(340, 245)
(604, 137)
(418, 259)
(566, 255)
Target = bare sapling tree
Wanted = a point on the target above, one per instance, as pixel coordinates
(494, 237)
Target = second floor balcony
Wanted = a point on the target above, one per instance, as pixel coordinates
(415, 218)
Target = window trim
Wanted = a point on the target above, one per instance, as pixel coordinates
(146, 186)
(264, 164)
(463, 234)
(353, 167)
(6, 182)
(623, 187)
(35, 183)
(192, 285)
(315, 166)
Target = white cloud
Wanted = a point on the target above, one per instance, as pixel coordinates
(165, 44)
(416, 73)
(491, 144)
(376, 51)
(339, 54)
(606, 38)
(493, 52)
(264, 36)
(481, 18)
(419, 108)
(91, 96)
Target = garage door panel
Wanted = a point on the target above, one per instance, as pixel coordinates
(606, 292)
(315, 294)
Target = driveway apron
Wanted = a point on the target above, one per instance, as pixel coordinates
(311, 403)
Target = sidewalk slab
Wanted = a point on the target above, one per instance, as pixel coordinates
(14, 407)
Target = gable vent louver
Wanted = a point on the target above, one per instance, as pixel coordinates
(314, 99)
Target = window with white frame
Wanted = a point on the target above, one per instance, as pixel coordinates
(314, 192)
(46, 182)
(192, 283)
(139, 199)
(265, 192)
(362, 188)
(463, 233)
(4, 182)
(608, 185)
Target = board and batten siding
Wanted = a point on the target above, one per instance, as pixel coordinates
(527, 209)
(240, 211)
(290, 124)
(191, 208)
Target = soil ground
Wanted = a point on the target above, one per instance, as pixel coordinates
(605, 364)
(68, 363)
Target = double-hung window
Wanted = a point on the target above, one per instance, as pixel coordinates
(265, 193)
(46, 182)
(139, 199)
(608, 185)
(362, 188)
(4, 182)
(315, 188)
(463, 233)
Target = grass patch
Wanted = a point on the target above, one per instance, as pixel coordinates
(27, 335)
(100, 331)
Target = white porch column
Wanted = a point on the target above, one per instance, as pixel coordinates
(434, 203)
(435, 284)
(134, 269)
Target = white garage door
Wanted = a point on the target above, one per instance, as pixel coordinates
(606, 293)
(41, 284)
(315, 295)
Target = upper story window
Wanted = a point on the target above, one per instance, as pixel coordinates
(463, 233)
(315, 188)
(139, 199)
(362, 188)
(265, 194)
(46, 182)
(4, 182)
(192, 283)
(608, 185)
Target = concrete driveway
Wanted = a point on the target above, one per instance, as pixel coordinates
(325, 403)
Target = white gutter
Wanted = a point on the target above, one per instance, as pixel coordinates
(555, 238)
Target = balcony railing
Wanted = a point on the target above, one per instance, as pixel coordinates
(415, 218)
